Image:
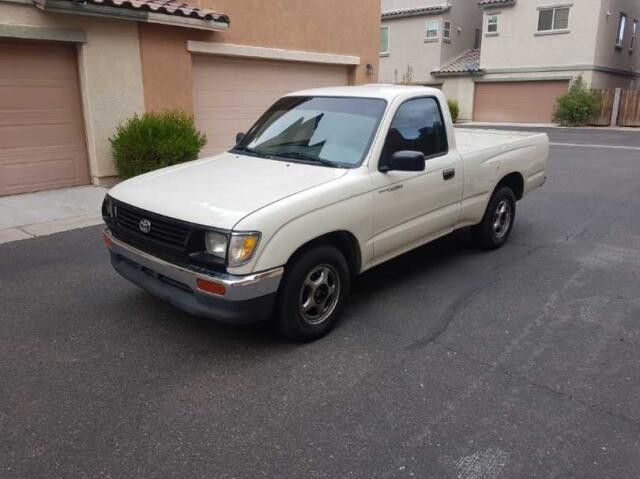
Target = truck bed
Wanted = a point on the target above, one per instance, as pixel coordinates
(471, 140)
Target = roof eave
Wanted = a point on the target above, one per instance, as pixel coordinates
(458, 74)
(504, 3)
(118, 13)
(417, 13)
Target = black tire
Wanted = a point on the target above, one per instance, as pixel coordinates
(488, 234)
(304, 279)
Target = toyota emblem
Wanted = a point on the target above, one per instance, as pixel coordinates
(145, 225)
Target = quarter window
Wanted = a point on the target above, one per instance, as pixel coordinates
(622, 25)
(492, 24)
(417, 126)
(384, 40)
(550, 19)
(432, 29)
(446, 31)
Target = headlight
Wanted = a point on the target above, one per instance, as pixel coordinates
(216, 244)
(241, 247)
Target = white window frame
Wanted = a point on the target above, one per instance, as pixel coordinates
(446, 31)
(634, 35)
(427, 30)
(491, 16)
(554, 9)
(621, 30)
(385, 27)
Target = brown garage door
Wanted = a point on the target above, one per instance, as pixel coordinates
(230, 94)
(41, 130)
(520, 102)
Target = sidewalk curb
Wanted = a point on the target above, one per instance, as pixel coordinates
(19, 233)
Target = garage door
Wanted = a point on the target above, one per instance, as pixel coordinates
(230, 94)
(520, 102)
(41, 129)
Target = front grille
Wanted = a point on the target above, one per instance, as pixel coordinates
(164, 231)
(175, 241)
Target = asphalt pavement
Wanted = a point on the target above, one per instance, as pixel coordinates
(450, 362)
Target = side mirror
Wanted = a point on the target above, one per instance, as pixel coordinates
(239, 137)
(404, 161)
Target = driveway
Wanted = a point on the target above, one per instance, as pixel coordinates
(449, 363)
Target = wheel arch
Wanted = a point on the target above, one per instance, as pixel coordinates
(343, 240)
(515, 181)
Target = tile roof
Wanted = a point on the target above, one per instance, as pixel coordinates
(410, 12)
(496, 3)
(167, 7)
(468, 62)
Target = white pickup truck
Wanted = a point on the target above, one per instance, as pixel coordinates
(328, 183)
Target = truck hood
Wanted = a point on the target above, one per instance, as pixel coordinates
(221, 190)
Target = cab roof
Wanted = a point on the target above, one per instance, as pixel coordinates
(378, 90)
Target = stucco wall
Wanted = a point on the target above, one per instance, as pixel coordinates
(408, 48)
(326, 26)
(465, 17)
(110, 74)
(407, 45)
(607, 55)
(461, 89)
(517, 44)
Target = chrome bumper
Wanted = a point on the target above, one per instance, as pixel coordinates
(237, 288)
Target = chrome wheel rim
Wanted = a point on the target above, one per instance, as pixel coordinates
(502, 219)
(319, 294)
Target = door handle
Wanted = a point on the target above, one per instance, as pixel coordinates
(448, 173)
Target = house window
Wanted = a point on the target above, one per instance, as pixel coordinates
(432, 29)
(550, 19)
(634, 35)
(492, 24)
(446, 31)
(622, 25)
(384, 40)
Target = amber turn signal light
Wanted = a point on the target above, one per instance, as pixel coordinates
(210, 286)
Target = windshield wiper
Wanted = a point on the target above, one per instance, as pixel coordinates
(250, 151)
(309, 158)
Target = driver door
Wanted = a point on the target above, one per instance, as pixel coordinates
(411, 208)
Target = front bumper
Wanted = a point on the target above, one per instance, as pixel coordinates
(246, 299)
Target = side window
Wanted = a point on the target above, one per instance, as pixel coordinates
(417, 126)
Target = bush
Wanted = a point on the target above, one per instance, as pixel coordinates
(155, 140)
(454, 108)
(577, 106)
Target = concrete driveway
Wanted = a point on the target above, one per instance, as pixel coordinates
(450, 362)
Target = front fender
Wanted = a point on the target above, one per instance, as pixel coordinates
(343, 205)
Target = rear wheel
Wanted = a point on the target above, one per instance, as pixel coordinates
(494, 229)
(313, 294)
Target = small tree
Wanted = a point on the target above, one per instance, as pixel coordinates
(577, 106)
(454, 109)
(155, 140)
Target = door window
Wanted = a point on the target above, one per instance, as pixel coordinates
(417, 126)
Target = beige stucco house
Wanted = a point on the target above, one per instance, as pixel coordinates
(418, 37)
(532, 49)
(71, 71)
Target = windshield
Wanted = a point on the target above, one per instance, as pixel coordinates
(331, 131)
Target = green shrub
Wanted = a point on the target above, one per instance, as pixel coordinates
(577, 106)
(155, 140)
(454, 108)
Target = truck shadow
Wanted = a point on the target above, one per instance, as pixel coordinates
(404, 270)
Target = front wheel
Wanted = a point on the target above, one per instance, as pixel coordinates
(494, 229)
(313, 294)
